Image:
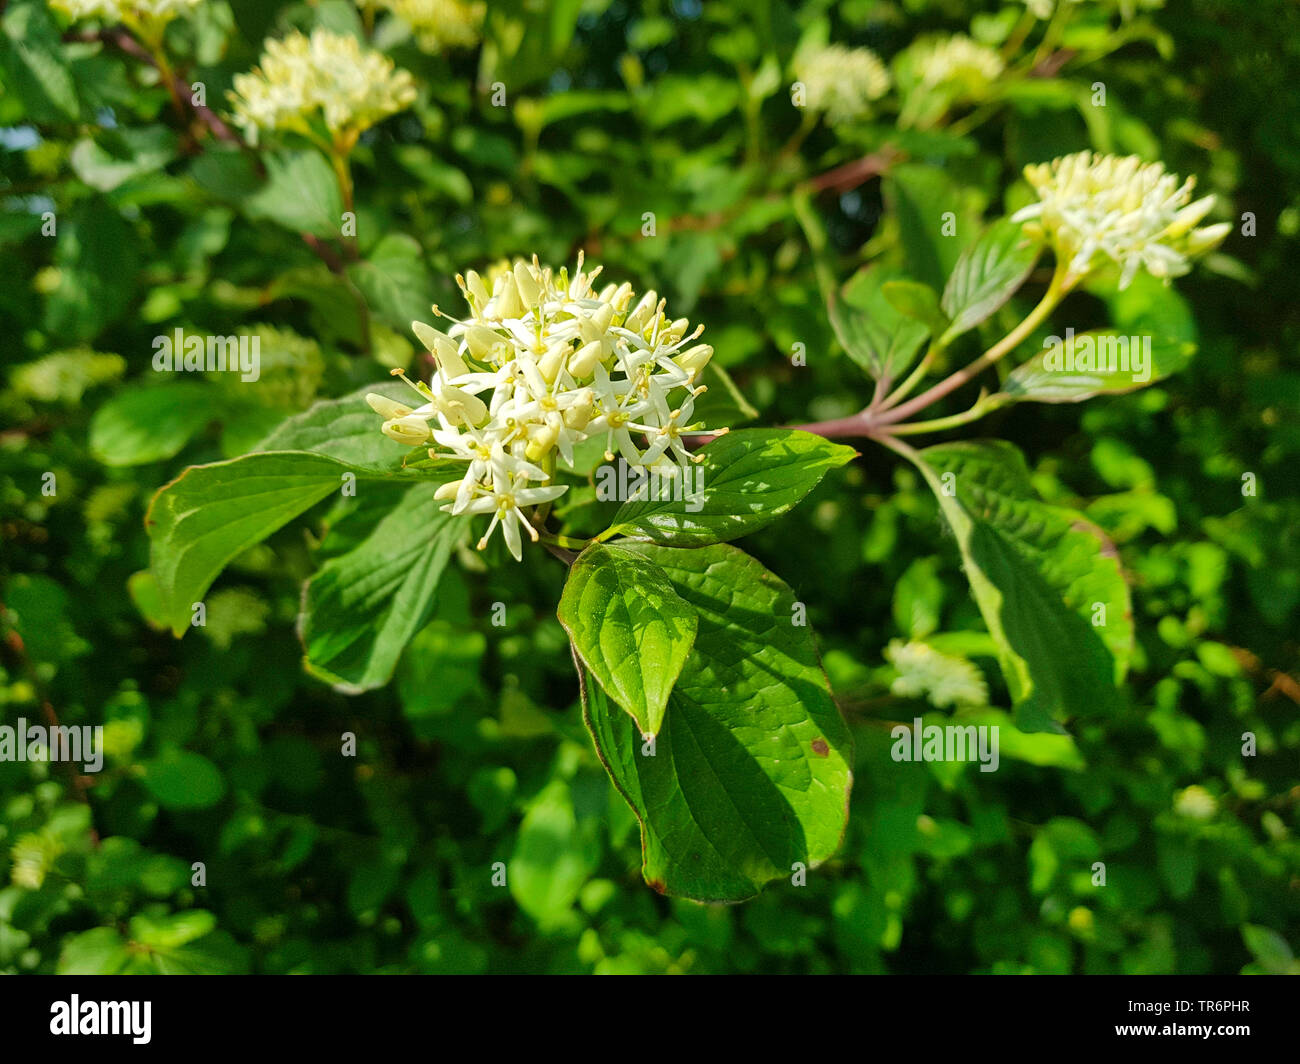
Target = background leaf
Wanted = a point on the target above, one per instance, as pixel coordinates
(361, 608)
(1038, 573)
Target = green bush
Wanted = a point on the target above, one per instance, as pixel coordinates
(370, 753)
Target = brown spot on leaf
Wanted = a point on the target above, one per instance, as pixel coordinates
(658, 885)
(820, 748)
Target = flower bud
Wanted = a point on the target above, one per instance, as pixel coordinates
(443, 348)
(477, 289)
(529, 290)
(577, 416)
(695, 359)
(482, 342)
(385, 407)
(460, 407)
(1201, 240)
(642, 312)
(549, 364)
(583, 364)
(540, 443)
(1187, 218)
(508, 303)
(622, 295)
(676, 330)
(447, 490)
(410, 430)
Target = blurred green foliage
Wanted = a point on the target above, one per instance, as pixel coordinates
(222, 750)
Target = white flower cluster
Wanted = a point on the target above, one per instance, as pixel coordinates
(329, 74)
(543, 362)
(943, 679)
(1096, 207)
(438, 24)
(1195, 803)
(125, 10)
(957, 62)
(842, 82)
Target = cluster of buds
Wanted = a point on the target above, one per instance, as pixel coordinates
(131, 12)
(327, 75)
(1094, 208)
(841, 82)
(543, 362)
(437, 24)
(943, 679)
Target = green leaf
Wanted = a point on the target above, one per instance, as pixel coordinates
(936, 220)
(917, 301)
(395, 281)
(345, 429)
(301, 193)
(36, 69)
(99, 951)
(749, 776)
(918, 599)
(121, 155)
(872, 331)
(986, 275)
(1039, 574)
(149, 424)
(1101, 362)
(555, 854)
(629, 627)
(747, 480)
(182, 779)
(362, 608)
(97, 257)
(211, 513)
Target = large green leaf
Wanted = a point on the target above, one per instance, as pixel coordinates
(987, 274)
(362, 608)
(629, 627)
(750, 774)
(1039, 574)
(35, 67)
(395, 281)
(746, 481)
(119, 155)
(149, 424)
(872, 331)
(301, 193)
(211, 513)
(97, 258)
(1096, 363)
(555, 853)
(936, 219)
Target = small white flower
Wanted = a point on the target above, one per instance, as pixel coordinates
(1195, 803)
(503, 501)
(1092, 208)
(943, 679)
(842, 82)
